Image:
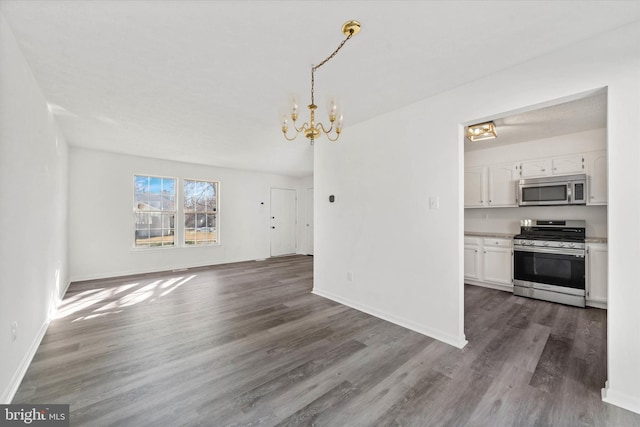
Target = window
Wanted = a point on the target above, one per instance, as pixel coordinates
(200, 212)
(155, 210)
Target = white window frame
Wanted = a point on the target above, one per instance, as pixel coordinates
(186, 231)
(166, 215)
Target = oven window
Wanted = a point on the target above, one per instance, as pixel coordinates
(551, 269)
(549, 193)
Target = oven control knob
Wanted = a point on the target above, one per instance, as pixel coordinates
(561, 245)
(572, 245)
(545, 243)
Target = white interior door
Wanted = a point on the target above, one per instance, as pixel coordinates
(283, 221)
(309, 220)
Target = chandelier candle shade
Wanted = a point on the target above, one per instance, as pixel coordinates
(311, 129)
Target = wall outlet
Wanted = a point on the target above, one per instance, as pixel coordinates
(14, 331)
(349, 276)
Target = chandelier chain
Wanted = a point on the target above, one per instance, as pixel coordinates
(327, 59)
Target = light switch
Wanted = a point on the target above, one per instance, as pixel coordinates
(434, 202)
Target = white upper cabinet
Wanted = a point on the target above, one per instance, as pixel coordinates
(496, 185)
(567, 165)
(534, 168)
(501, 185)
(491, 186)
(597, 177)
(474, 186)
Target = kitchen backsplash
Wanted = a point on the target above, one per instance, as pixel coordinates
(507, 220)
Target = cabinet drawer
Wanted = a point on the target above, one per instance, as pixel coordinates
(499, 243)
(472, 241)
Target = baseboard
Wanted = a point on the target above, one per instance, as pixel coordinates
(623, 400)
(596, 304)
(16, 379)
(455, 341)
(506, 288)
(125, 273)
(64, 292)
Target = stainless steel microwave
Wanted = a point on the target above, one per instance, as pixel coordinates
(553, 190)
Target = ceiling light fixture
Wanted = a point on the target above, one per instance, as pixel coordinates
(312, 130)
(481, 131)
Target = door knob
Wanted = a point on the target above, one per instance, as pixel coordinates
(273, 226)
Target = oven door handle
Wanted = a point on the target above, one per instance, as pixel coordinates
(557, 251)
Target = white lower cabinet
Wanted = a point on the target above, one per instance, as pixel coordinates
(488, 262)
(471, 261)
(596, 274)
(497, 265)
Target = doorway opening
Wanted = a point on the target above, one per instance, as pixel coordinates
(283, 236)
(559, 137)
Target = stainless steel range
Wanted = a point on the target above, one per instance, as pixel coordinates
(549, 261)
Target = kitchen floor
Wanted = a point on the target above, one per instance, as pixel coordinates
(247, 343)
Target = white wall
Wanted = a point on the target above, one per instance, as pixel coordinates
(101, 218)
(407, 260)
(304, 184)
(507, 220)
(33, 224)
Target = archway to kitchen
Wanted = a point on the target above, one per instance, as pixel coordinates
(551, 141)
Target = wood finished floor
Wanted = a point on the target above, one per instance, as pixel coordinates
(247, 344)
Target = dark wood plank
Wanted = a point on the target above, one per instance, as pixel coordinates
(248, 344)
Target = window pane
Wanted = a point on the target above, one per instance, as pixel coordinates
(200, 220)
(141, 185)
(189, 236)
(169, 186)
(142, 220)
(154, 203)
(208, 235)
(189, 220)
(155, 185)
(200, 205)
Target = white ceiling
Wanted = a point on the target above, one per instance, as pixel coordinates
(587, 112)
(208, 81)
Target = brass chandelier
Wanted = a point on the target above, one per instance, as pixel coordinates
(312, 130)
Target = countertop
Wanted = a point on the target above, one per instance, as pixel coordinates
(595, 240)
(510, 236)
(489, 234)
